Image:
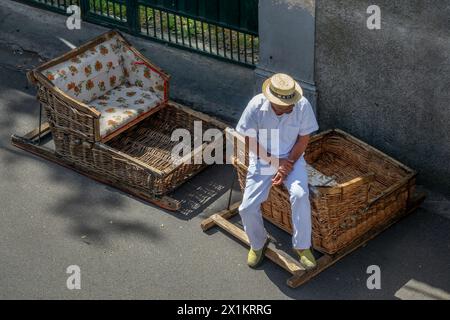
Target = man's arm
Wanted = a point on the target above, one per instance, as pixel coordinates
(299, 148)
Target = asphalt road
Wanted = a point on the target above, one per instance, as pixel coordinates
(51, 218)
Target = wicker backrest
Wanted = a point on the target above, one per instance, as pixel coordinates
(91, 73)
(95, 71)
(88, 72)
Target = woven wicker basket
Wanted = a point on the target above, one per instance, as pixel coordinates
(372, 189)
(137, 155)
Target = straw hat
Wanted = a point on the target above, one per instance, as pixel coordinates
(282, 90)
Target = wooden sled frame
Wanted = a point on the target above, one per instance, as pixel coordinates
(285, 261)
(29, 143)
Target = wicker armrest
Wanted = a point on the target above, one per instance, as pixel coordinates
(357, 182)
(37, 78)
(66, 115)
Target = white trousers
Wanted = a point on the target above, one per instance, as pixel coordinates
(256, 192)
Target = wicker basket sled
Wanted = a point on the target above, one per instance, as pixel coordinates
(110, 118)
(356, 192)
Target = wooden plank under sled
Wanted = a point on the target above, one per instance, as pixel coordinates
(27, 144)
(281, 258)
(278, 256)
(43, 130)
(208, 223)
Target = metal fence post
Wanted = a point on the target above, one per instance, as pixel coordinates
(84, 7)
(133, 16)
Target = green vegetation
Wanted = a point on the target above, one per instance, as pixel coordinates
(176, 28)
(108, 8)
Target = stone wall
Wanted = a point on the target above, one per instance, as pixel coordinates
(389, 87)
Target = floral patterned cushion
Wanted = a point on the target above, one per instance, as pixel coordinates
(141, 75)
(90, 74)
(111, 78)
(122, 105)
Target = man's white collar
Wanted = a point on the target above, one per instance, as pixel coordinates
(265, 106)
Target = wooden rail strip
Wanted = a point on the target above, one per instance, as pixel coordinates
(208, 223)
(34, 134)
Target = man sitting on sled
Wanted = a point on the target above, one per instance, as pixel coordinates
(278, 123)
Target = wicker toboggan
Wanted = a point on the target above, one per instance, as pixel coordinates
(136, 154)
(371, 189)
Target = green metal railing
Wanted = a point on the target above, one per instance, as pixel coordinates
(227, 29)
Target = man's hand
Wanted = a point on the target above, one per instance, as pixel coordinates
(285, 166)
(284, 169)
(278, 179)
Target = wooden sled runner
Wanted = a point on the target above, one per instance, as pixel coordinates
(346, 214)
(109, 114)
(285, 261)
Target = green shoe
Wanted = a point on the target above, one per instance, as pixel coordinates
(307, 259)
(255, 257)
